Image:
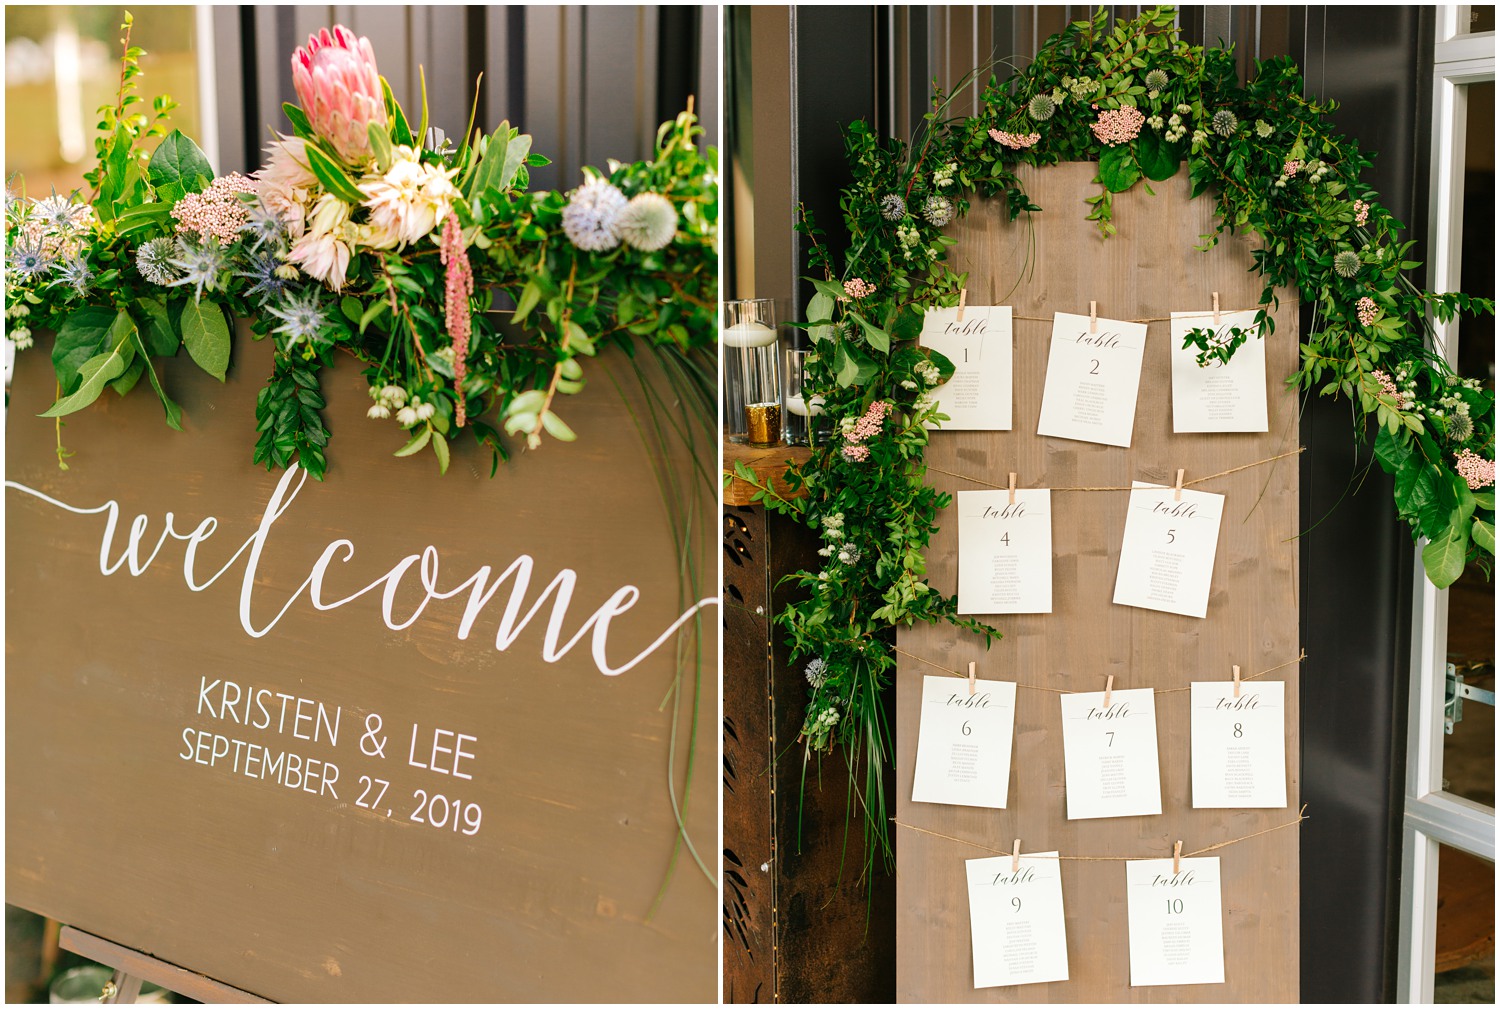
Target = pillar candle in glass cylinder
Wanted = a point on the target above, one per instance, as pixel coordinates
(802, 423)
(752, 374)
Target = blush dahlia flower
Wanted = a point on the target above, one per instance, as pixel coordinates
(339, 88)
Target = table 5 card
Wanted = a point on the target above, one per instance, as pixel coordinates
(1223, 396)
(1016, 920)
(1109, 754)
(1167, 560)
(1093, 379)
(1239, 745)
(978, 396)
(1176, 922)
(964, 742)
(1005, 552)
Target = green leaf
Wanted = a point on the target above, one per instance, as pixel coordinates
(878, 338)
(127, 381)
(332, 176)
(440, 449)
(100, 370)
(174, 412)
(82, 336)
(1484, 536)
(1117, 169)
(515, 157)
(177, 159)
(417, 443)
(206, 336)
(301, 127)
(380, 144)
(530, 295)
(161, 340)
(556, 428)
(1158, 159)
(1392, 452)
(371, 313)
(1443, 558)
(487, 173)
(400, 130)
(1485, 499)
(820, 310)
(351, 308)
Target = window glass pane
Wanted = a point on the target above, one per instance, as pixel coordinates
(1465, 960)
(1476, 18)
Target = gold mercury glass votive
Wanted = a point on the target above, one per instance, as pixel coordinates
(764, 422)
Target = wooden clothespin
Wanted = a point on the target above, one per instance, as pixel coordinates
(1216, 308)
(971, 679)
(1177, 858)
(1012, 488)
(963, 296)
(1109, 688)
(1093, 317)
(1015, 856)
(1236, 681)
(1177, 488)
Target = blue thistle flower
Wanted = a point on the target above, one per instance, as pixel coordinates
(263, 226)
(301, 315)
(73, 271)
(28, 258)
(201, 264)
(262, 270)
(153, 260)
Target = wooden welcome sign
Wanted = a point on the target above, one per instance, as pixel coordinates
(391, 737)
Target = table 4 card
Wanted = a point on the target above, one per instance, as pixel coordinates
(978, 396)
(964, 742)
(1016, 920)
(1176, 922)
(1239, 745)
(1222, 396)
(1093, 378)
(1005, 552)
(1109, 754)
(1167, 560)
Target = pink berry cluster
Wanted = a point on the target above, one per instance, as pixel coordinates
(1476, 469)
(1118, 126)
(1366, 308)
(1387, 384)
(857, 288)
(216, 212)
(1290, 169)
(866, 427)
(1361, 212)
(1015, 141)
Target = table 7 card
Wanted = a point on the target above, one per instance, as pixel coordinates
(1167, 559)
(1109, 754)
(1093, 379)
(1176, 922)
(1016, 920)
(978, 396)
(1239, 745)
(1222, 395)
(1005, 551)
(964, 742)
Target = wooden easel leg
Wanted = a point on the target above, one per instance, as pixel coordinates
(122, 989)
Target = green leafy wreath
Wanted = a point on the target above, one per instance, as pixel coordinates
(1142, 103)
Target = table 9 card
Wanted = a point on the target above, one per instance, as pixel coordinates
(964, 742)
(1176, 922)
(1109, 754)
(1092, 380)
(1239, 745)
(1005, 552)
(1016, 920)
(1221, 396)
(978, 396)
(1167, 560)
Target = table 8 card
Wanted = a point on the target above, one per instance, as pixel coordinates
(1016, 920)
(1093, 379)
(964, 742)
(1167, 558)
(1005, 552)
(1239, 745)
(1109, 754)
(1176, 922)
(978, 396)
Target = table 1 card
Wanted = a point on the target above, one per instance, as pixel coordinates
(964, 742)
(1221, 396)
(1092, 380)
(1109, 754)
(1176, 922)
(1016, 920)
(1005, 552)
(978, 396)
(1239, 745)
(1167, 560)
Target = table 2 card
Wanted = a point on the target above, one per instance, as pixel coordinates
(1109, 754)
(1005, 552)
(1223, 396)
(1093, 379)
(1176, 922)
(1239, 745)
(964, 742)
(1167, 560)
(1016, 920)
(978, 396)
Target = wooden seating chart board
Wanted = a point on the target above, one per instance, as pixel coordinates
(357, 801)
(1145, 272)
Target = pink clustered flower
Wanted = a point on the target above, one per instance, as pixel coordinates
(857, 288)
(1117, 126)
(866, 427)
(1387, 384)
(1361, 212)
(1291, 168)
(339, 88)
(1366, 309)
(1476, 469)
(458, 282)
(216, 212)
(1015, 141)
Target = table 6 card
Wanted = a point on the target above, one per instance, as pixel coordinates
(964, 742)
(1016, 920)
(1223, 396)
(1109, 754)
(1176, 922)
(1239, 745)
(1005, 551)
(1093, 379)
(981, 347)
(1167, 560)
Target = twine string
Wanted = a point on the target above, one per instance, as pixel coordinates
(1186, 483)
(1181, 317)
(1054, 690)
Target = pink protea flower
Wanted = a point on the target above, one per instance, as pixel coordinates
(1476, 469)
(1015, 141)
(339, 88)
(458, 286)
(1118, 126)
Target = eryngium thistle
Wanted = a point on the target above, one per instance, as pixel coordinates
(1156, 79)
(154, 261)
(27, 258)
(201, 264)
(263, 226)
(73, 271)
(262, 269)
(589, 218)
(648, 222)
(1460, 428)
(817, 673)
(892, 207)
(1041, 108)
(1346, 264)
(301, 316)
(60, 214)
(937, 210)
(1225, 123)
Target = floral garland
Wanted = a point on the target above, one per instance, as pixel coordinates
(364, 235)
(1142, 103)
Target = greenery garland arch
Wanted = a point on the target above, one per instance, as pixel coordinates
(1144, 105)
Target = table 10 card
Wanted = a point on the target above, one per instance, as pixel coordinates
(1016, 920)
(1239, 745)
(1092, 380)
(978, 396)
(1005, 552)
(1167, 560)
(964, 742)
(1224, 396)
(1109, 754)
(1176, 922)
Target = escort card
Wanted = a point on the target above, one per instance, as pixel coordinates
(964, 742)
(978, 396)
(1176, 922)
(1016, 920)
(1239, 745)
(1092, 380)
(1109, 754)
(1004, 552)
(1222, 396)
(1167, 561)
